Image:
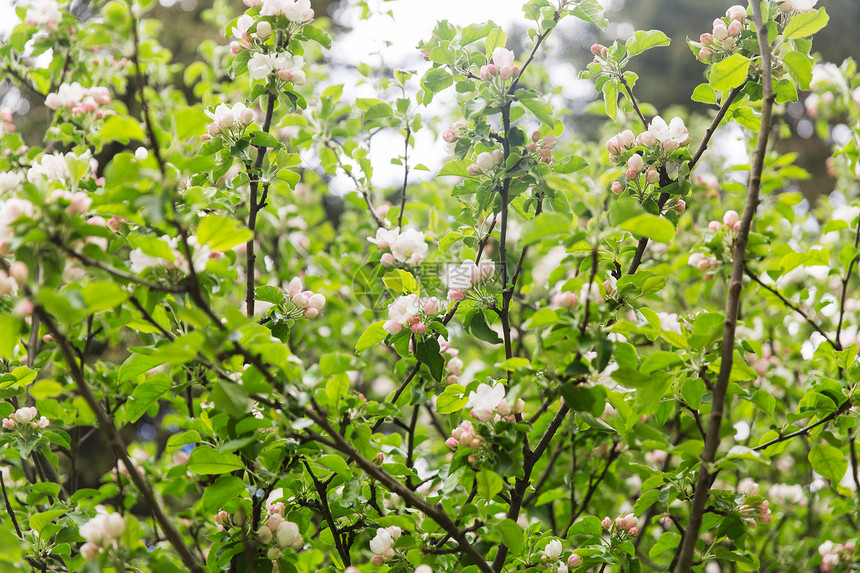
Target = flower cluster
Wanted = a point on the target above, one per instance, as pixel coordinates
(724, 36)
(643, 154)
(308, 303)
(702, 261)
(410, 310)
(489, 403)
(466, 275)
(25, 419)
(731, 220)
(382, 544)
(464, 436)
(627, 524)
(286, 533)
(834, 553)
(450, 136)
(19, 272)
(486, 162)
(784, 494)
(407, 247)
(59, 167)
(6, 121)
(101, 534)
(288, 68)
(788, 6)
(454, 367)
(296, 11)
(502, 66)
(756, 509)
(228, 122)
(43, 14)
(78, 99)
(543, 146)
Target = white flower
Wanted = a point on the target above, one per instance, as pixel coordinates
(385, 237)
(410, 248)
(43, 13)
(260, 66)
(553, 550)
(243, 24)
(671, 136)
(52, 167)
(403, 308)
(669, 322)
(748, 487)
(798, 5)
(504, 61)
(10, 180)
(382, 542)
(140, 261)
(298, 11)
(486, 400)
(463, 276)
(288, 535)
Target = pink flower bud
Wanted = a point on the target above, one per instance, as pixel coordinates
(316, 301)
(575, 560)
(236, 48)
(392, 327)
(23, 308)
(90, 551)
(79, 203)
(705, 54)
(418, 328)
(613, 145)
(310, 312)
(264, 30)
(634, 531)
(295, 287)
(646, 139)
(735, 28)
(635, 164)
(730, 218)
(532, 146)
(653, 176)
(19, 272)
(617, 187)
(706, 38)
(728, 43)
(449, 136)
(473, 169)
(452, 443)
(456, 295)
(721, 32)
(606, 523)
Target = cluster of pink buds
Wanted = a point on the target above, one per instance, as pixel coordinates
(756, 514)
(486, 162)
(542, 146)
(702, 261)
(450, 136)
(244, 36)
(468, 274)
(620, 143)
(17, 271)
(464, 436)
(411, 311)
(228, 121)
(565, 299)
(599, 51)
(624, 523)
(502, 66)
(6, 123)
(382, 545)
(724, 35)
(78, 202)
(26, 419)
(286, 533)
(307, 302)
(101, 533)
(731, 220)
(79, 99)
(832, 554)
(454, 367)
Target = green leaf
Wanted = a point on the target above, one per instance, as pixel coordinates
(512, 535)
(799, 68)
(135, 365)
(145, 396)
(39, 521)
(495, 39)
(704, 93)
(651, 226)
(224, 490)
(669, 540)
(336, 387)
(610, 99)
(230, 398)
(478, 326)
(335, 464)
(590, 11)
(401, 281)
(660, 360)
(221, 233)
(729, 73)
(207, 461)
(372, 335)
(427, 352)
(829, 462)
(588, 525)
(263, 139)
(10, 328)
(103, 295)
(645, 40)
(539, 107)
(489, 484)
(451, 400)
(270, 294)
(544, 225)
(569, 164)
(805, 24)
(121, 128)
(436, 80)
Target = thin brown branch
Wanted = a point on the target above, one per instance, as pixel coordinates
(712, 440)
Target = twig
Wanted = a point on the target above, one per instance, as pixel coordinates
(721, 113)
(834, 343)
(845, 281)
(803, 431)
(405, 174)
(712, 439)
